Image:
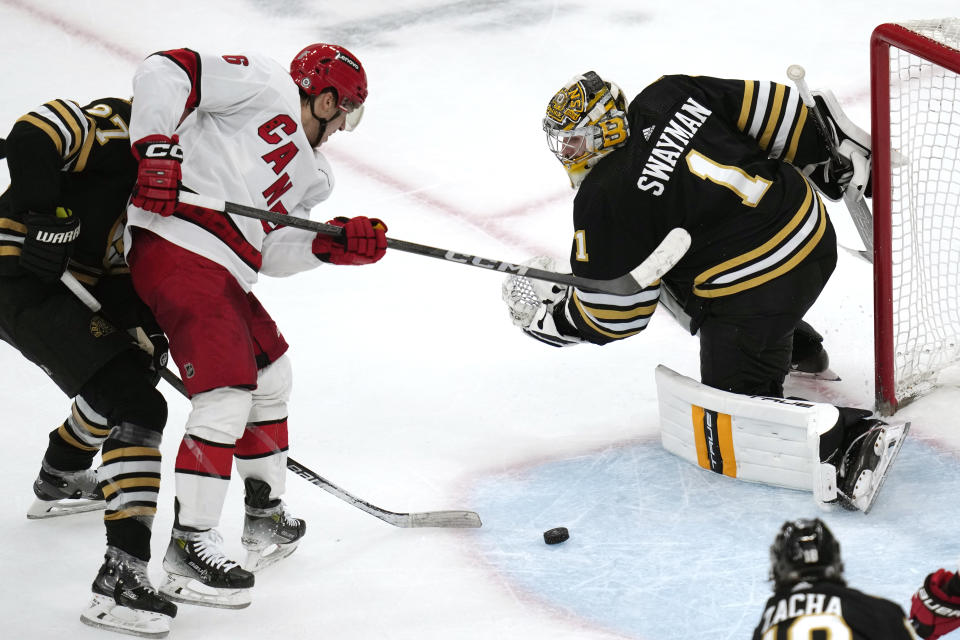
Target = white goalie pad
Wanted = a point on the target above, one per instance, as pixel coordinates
(772, 441)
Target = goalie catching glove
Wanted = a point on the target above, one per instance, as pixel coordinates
(852, 173)
(537, 307)
(935, 609)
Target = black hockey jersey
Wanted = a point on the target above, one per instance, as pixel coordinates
(64, 155)
(719, 158)
(833, 610)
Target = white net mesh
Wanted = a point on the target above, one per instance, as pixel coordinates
(925, 180)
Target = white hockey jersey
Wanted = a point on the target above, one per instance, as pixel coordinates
(238, 118)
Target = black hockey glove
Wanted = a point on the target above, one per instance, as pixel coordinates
(48, 245)
(161, 351)
(154, 352)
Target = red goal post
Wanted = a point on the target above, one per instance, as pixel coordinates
(915, 84)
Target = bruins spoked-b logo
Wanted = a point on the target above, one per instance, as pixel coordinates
(99, 327)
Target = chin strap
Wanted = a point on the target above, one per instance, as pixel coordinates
(323, 122)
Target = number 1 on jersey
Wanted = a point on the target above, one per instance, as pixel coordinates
(749, 188)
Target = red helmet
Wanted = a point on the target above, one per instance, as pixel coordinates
(321, 66)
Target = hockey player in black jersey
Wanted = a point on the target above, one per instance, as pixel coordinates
(739, 165)
(71, 173)
(811, 598)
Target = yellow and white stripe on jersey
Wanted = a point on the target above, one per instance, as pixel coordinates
(65, 123)
(773, 115)
(615, 316)
(780, 254)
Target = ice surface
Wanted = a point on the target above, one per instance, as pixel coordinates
(412, 388)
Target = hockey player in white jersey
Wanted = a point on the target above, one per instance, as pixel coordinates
(244, 129)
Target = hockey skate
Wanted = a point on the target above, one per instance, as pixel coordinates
(867, 462)
(270, 533)
(62, 493)
(199, 573)
(808, 358)
(124, 600)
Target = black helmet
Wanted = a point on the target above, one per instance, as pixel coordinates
(805, 550)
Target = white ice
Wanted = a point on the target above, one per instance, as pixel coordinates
(412, 388)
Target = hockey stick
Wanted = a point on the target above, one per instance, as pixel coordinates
(856, 204)
(661, 260)
(446, 519)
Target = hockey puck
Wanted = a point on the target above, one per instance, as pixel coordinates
(556, 536)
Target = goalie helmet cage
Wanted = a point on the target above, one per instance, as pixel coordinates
(915, 80)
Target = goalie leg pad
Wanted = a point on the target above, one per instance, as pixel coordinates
(773, 441)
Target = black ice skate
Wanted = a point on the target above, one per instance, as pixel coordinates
(124, 600)
(270, 533)
(867, 461)
(199, 573)
(61, 493)
(809, 359)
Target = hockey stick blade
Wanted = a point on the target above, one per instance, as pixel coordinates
(677, 241)
(448, 519)
(863, 221)
(444, 519)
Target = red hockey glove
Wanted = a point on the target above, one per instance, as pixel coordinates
(935, 609)
(158, 175)
(364, 241)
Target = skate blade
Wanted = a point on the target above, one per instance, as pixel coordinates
(828, 375)
(189, 591)
(893, 441)
(258, 560)
(104, 613)
(41, 509)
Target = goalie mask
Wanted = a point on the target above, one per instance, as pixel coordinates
(805, 551)
(585, 120)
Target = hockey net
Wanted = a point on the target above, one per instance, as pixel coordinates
(915, 69)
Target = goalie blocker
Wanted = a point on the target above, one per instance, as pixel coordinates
(840, 454)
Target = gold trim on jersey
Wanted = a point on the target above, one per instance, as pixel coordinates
(774, 117)
(797, 130)
(47, 128)
(794, 241)
(70, 118)
(81, 162)
(775, 109)
(13, 225)
(630, 313)
(745, 105)
(63, 122)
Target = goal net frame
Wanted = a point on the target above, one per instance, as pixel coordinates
(905, 368)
